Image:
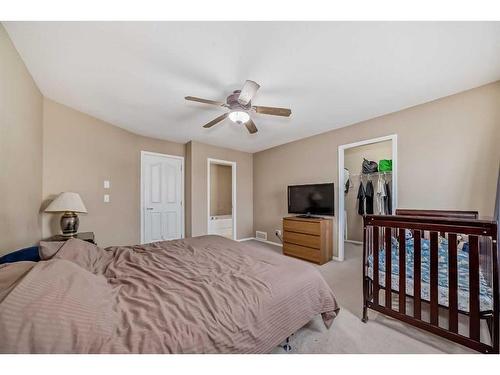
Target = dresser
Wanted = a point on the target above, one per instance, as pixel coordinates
(308, 238)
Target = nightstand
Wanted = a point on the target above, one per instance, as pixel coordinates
(84, 236)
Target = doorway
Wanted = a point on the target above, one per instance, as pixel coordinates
(221, 188)
(349, 224)
(162, 196)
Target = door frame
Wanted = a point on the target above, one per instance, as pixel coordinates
(232, 164)
(183, 206)
(340, 221)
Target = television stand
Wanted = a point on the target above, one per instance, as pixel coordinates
(308, 216)
(308, 238)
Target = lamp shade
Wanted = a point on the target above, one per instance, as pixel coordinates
(67, 202)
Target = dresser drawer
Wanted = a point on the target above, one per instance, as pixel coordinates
(302, 226)
(308, 240)
(306, 253)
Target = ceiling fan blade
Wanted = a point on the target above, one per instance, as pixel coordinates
(248, 92)
(275, 111)
(252, 129)
(216, 120)
(206, 101)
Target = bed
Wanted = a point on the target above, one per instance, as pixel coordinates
(442, 262)
(206, 294)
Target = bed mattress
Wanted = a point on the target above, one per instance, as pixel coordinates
(205, 294)
(485, 291)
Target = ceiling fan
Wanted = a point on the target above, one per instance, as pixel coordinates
(240, 107)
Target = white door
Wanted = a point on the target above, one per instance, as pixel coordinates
(162, 194)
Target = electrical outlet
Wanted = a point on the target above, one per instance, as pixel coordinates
(277, 232)
(106, 184)
(106, 198)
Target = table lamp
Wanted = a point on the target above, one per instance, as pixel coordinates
(69, 203)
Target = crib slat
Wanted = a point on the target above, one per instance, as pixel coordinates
(452, 283)
(417, 272)
(402, 271)
(388, 269)
(434, 258)
(376, 249)
(474, 288)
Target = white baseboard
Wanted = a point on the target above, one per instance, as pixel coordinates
(258, 239)
(245, 239)
(269, 242)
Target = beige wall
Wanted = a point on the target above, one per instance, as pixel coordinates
(448, 155)
(21, 109)
(448, 158)
(220, 189)
(80, 152)
(196, 188)
(353, 158)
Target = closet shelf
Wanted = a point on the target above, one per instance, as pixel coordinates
(371, 174)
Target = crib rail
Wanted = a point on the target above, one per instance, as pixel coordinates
(381, 231)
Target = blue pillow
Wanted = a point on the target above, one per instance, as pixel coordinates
(465, 247)
(28, 254)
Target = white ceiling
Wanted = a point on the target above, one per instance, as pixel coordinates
(331, 74)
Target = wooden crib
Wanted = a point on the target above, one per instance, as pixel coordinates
(438, 291)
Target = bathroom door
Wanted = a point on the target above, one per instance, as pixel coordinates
(162, 197)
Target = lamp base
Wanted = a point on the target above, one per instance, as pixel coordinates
(69, 224)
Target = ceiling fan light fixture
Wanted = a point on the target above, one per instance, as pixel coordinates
(240, 117)
(248, 92)
(239, 104)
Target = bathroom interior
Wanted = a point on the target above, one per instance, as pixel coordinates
(221, 207)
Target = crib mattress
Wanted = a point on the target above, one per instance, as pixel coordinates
(485, 290)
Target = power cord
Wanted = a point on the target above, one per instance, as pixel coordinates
(277, 233)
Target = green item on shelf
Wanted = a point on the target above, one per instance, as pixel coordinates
(385, 165)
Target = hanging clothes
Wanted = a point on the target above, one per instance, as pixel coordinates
(361, 199)
(369, 198)
(388, 198)
(346, 180)
(386, 201)
(380, 197)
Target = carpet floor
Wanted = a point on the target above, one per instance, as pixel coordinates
(348, 334)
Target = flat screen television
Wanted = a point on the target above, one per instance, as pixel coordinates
(315, 199)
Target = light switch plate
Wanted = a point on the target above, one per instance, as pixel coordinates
(106, 184)
(106, 198)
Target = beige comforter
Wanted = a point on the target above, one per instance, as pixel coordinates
(200, 295)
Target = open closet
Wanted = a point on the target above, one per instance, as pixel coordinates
(368, 186)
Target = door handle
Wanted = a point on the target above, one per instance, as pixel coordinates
(149, 208)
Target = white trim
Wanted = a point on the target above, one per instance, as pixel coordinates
(183, 203)
(163, 155)
(233, 191)
(246, 239)
(340, 222)
(269, 242)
